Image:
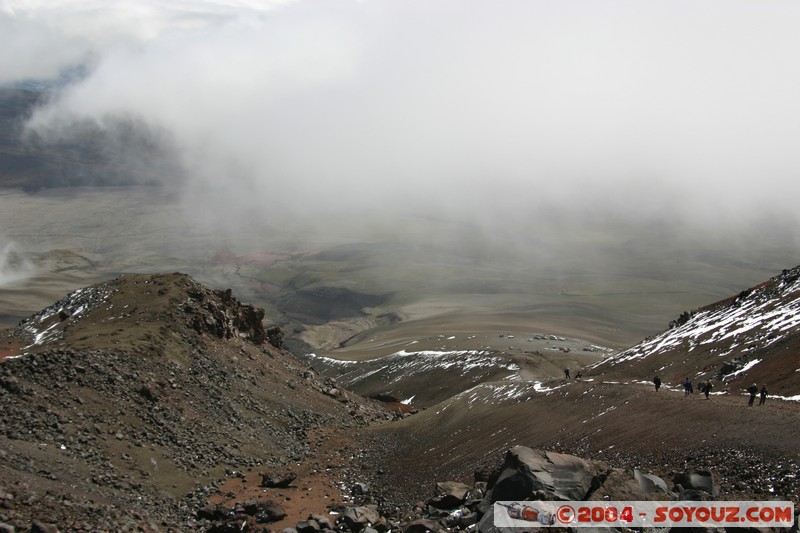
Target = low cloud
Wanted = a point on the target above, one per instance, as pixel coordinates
(640, 111)
(14, 265)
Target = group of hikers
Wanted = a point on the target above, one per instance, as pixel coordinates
(752, 390)
(706, 387)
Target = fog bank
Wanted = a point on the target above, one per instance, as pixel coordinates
(664, 111)
(14, 266)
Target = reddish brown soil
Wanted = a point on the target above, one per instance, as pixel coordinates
(316, 487)
(10, 348)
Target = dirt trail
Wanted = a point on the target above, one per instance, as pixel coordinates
(627, 424)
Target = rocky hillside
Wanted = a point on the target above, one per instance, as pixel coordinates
(126, 402)
(422, 377)
(614, 413)
(152, 403)
(750, 337)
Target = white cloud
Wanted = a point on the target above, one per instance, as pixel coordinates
(447, 102)
(14, 266)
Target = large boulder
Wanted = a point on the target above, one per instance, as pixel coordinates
(277, 479)
(555, 476)
(696, 480)
(449, 495)
(359, 517)
(651, 484)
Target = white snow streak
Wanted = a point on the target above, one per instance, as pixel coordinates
(754, 320)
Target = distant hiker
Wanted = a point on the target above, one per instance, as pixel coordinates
(566, 373)
(753, 390)
(657, 382)
(578, 376)
(707, 389)
(687, 386)
(763, 395)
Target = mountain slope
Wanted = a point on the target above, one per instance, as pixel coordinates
(134, 403)
(751, 337)
(131, 398)
(751, 452)
(615, 413)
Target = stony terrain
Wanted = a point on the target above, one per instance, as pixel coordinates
(129, 400)
(749, 337)
(151, 402)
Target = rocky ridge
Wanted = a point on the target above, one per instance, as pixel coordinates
(151, 403)
(177, 392)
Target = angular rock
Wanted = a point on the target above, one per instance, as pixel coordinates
(274, 336)
(277, 479)
(450, 495)
(360, 489)
(620, 485)
(323, 521)
(215, 512)
(307, 526)
(697, 480)
(558, 476)
(422, 526)
(651, 484)
(358, 517)
(38, 526)
(264, 510)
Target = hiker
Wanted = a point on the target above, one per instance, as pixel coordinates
(753, 390)
(707, 389)
(763, 395)
(657, 382)
(578, 376)
(566, 373)
(687, 386)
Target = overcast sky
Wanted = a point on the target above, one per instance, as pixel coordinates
(674, 107)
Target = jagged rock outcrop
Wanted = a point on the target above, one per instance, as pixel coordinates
(124, 402)
(221, 314)
(563, 477)
(277, 479)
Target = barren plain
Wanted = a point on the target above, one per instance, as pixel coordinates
(358, 285)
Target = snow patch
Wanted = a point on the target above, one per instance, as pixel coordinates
(745, 368)
(755, 319)
(43, 327)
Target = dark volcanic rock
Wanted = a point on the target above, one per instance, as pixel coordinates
(451, 495)
(422, 526)
(223, 315)
(564, 477)
(356, 518)
(148, 388)
(277, 479)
